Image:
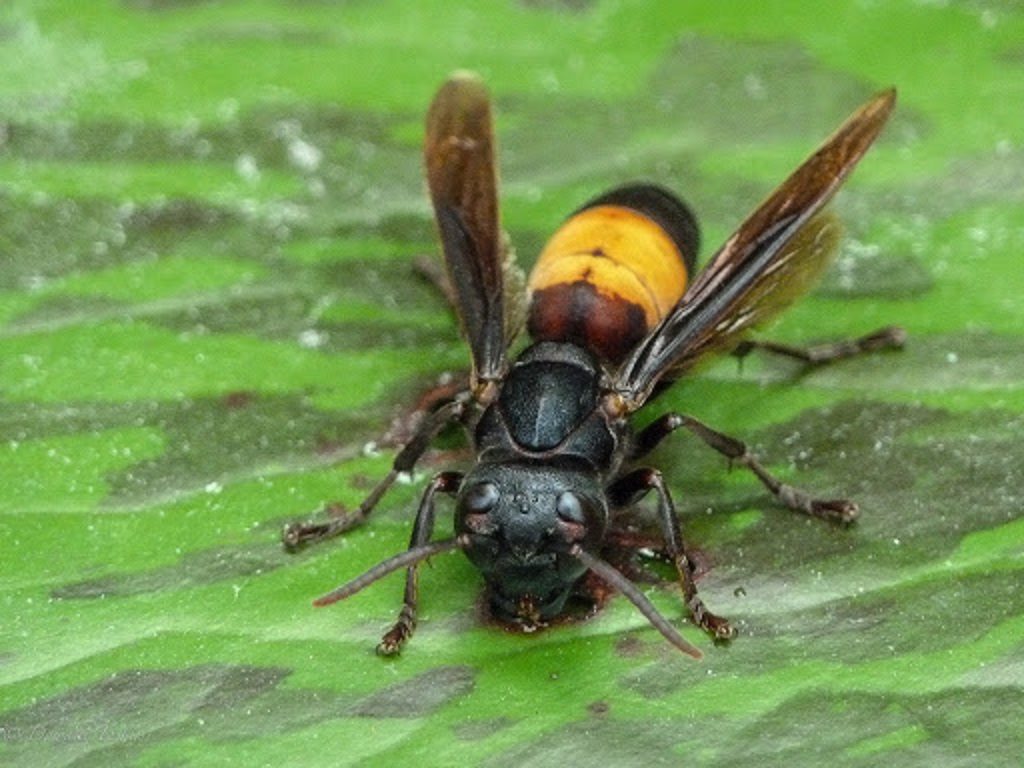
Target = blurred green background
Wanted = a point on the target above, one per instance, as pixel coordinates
(208, 215)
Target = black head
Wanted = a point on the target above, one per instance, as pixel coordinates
(522, 522)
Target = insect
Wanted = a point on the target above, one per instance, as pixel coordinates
(616, 313)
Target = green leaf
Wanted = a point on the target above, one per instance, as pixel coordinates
(209, 318)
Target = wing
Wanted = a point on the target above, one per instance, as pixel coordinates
(461, 175)
(768, 262)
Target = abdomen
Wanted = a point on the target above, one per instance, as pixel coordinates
(613, 270)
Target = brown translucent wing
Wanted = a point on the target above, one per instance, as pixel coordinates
(461, 175)
(768, 262)
(797, 267)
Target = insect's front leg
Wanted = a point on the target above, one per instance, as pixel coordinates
(836, 510)
(297, 535)
(631, 488)
(889, 337)
(422, 530)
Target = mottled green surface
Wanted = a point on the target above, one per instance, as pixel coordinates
(208, 212)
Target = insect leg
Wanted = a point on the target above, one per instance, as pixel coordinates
(629, 489)
(890, 337)
(651, 436)
(297, 535)
(836, 510)
(393, 640)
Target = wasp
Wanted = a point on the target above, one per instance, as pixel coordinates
(616, 312)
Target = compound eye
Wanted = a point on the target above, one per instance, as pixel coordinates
(569, 508)
(481, 498)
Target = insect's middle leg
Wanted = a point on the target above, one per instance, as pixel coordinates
(631, 488)
(836, 510)
(300, 534)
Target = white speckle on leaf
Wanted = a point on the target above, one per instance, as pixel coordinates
(549, 82)
(246, 167)
(754, 86)
(978, 234)
(311, 338)
(134, 69)
(303, 155)
(228, 109)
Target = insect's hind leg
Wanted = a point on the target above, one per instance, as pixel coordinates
(835, 510)
(299, 534)
(889, 337)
